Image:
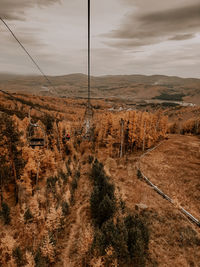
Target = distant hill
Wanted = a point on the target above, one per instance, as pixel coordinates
(131, 87)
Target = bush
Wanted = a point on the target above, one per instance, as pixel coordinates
(122, 205)
(5, 213)
(129, 238)
(68, 168)
(63, 176)
(173, 97)
(48, 122)
(51, 183)
(67, 150)
(90, 159)
(102, 210)
(40, 260)
(28, 216)
(138, 239)
(77, 174)
(65, 208)
(74, 184)
(17, 254)
(115, 235)
(97, 171)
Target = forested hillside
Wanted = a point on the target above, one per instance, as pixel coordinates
(65, 203)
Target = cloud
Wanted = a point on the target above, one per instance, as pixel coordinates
(143, 36)
(180, 37)
(142, 26)
(16, 10)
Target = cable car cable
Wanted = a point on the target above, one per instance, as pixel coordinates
(29, 55)
(89, 78)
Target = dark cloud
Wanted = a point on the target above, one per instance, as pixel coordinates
(178, 15)
(142, 27)
(16, 9)
(180, 37)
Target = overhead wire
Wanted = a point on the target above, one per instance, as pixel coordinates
(28, 54)
(89, 78)
(20, 100)
(40, 69)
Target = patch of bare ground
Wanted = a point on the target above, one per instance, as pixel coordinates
(174, 168)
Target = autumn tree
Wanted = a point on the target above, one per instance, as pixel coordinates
(140, 130)
(12, 163)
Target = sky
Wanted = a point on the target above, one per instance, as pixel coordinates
(127, 37)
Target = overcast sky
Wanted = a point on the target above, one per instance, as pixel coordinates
(128, 36)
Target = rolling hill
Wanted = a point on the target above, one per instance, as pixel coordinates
(130, 87)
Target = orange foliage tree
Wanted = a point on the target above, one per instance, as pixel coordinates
(129, 130)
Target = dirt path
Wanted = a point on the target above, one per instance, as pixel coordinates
(70, 242)
(77, 233)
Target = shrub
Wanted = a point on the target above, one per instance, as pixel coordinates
(90, 159)
(77, 174)
(68, 168)
(74, 184)
(48, 122)
(67, 150)
(63, 176)
(129, 238)
(5, 213)
(138, 238)
(65, 208)
(28, 216)
(51, 183)
(122, 205)
(115, 236)
(97, 171)
(40, 260)
(173, 97)
(69, 161)
(17, 254)
(106, 209)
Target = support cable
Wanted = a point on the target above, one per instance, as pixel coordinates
(28, 54)
(89, 78)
